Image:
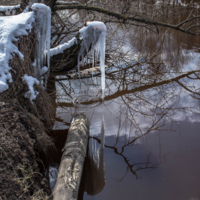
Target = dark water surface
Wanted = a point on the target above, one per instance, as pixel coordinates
(151, 113)
(164, 166)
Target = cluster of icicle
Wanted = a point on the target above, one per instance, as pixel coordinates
(93, 35)
(43, 31)
(93, 39)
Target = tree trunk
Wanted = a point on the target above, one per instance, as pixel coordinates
(49, 3)
(74, 153)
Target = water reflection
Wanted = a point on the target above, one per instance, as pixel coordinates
(95, 165)
(151, 111)
(136, 104)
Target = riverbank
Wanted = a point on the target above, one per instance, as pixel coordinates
(20, 142)
(23, 131)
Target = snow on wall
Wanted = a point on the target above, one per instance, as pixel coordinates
(62, 47)
(93, 35)
(11, 27)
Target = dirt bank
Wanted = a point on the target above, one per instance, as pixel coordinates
(23, 131)
(19, 141)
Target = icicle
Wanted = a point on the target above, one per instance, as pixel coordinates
(82, 60)
(98, 153)
(43, 30)
(103, 127)
(79, 66)
(102, 61)
(92, 146)
(92, 61)
(89, 36)
(102, 161)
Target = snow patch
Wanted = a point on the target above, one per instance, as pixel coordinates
(43, 70)
(31, 94)
(9, 9)
(67, 3)
(5, 8)
(99, 25)
(62, 47)
(11, 27)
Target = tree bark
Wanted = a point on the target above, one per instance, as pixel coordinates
(50, 3)
(74, 153)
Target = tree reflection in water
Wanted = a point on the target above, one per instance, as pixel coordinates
(144, 102)
(152, 82)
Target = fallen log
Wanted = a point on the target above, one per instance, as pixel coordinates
(74, 153)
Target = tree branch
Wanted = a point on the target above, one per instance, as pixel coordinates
(67, 60)
(125, 18)
(120, 93)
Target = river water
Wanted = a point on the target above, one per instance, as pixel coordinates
(149, 117)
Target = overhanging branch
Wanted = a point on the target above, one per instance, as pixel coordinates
(120, 93)
(127, 18)
(68, 58)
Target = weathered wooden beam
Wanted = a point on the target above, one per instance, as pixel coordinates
(74, 153)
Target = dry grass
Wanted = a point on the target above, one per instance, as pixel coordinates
(36, 118)
(41, 111)
(24, 126)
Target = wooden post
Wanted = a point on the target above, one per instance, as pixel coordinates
(74, 153)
